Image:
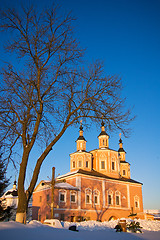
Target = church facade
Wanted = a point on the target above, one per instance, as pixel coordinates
(98, 186)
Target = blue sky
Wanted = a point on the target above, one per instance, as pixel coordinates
(125, 34)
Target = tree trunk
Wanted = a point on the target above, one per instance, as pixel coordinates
(22, 195)
(22, 208)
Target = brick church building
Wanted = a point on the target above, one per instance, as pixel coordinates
(98, 186)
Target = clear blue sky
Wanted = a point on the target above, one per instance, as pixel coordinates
(125, 34)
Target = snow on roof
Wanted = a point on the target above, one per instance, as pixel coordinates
(10, 193)
(65, 185)
(67, 174)
(44, 185)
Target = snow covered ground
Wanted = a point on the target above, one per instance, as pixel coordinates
(87, 230)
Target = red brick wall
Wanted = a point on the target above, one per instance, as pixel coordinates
(94, 212)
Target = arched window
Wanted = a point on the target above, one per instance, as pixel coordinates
(73, 197)
(73, 164)
(102, 164)
(80, 163)
(96, 197)
(110, 197)
(102, 161)
(136, 201)
(62, 196)
(86, 164)
(118, 198)
(88, 196)
(113, 164)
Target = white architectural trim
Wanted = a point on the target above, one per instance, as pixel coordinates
(110, 192)
(103, 193)
(78, 184)
(88, 192)
(118, 194)
(62, 191)
(128, 196)
(136, 201)
(75, 194)
(96, 192)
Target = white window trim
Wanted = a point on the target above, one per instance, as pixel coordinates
(125, 172)
(88, 191)
(85, 164)
(104, 165)
(62, 192)
(117, 193)
(80, 161)
(74, 164)
(110, 192)
(103, 158)
(115, 165)
(136, 199)
(75, 194)
(96, 193)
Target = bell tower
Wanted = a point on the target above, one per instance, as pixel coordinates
(121, 152)
(103, 137)
(124, 166)
(81, 159)
(81, 141)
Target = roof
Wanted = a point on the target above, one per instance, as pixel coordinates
(61, 185)
(64, 185)
(10, 193)
(104, 148)
(81, 138)
(80, 151)
(121, 150)
(98, 174)
(125, 162)
(103, 133)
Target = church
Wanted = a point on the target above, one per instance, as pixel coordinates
(98, 186)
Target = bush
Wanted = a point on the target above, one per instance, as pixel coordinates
(134, 227)
(118, 228)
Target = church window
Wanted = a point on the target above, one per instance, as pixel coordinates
(96, 197)
(88, 196)
(102, 164)
(118, 203)
(124, 172)
(136, 204)
(86, 164)
(47, 197)
(40, 198)
(80, 163)
(62, 196)
(136, 201)
(103, 142)
(73, 164)
(113, 165)
(73, 197)
(117, 200)
(110, 197)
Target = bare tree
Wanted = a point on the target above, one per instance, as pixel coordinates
(48, 89)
